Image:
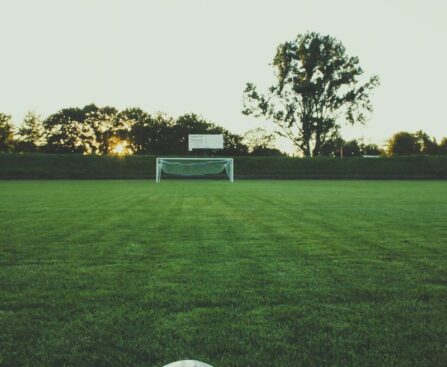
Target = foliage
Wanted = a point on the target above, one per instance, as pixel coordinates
(37, 165)
(260, 142)
(318, 85)
(93, 130)
(100, 129)
(371, 149)
(233, 145)
(31, 134)
(65, 131)
(338, 147)
(418, 143)
(427, 145)
(149, 134)
(443, 146)
(76, 130)
(403, 143)
(332, 147)
(6, 133)
(351, 149)
(262, 151)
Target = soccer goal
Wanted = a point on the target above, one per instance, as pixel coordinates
(194, 167)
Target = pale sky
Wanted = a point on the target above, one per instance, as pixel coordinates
(180, 56)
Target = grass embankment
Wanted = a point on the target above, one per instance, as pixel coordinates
(255, 273)
(75, 166)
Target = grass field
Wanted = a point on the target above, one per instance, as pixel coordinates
(255, 273)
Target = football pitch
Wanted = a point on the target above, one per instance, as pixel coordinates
(255, 273)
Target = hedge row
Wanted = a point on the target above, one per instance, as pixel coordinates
(49, 166)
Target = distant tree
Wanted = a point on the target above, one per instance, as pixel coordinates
(260, 142)
(317, 87)
(233, 144)
(403, 143)
(352, 149)
(332, 147)
(268, 152)
(80, 130)
(427, 145)
(101, 128)
(370, 149)
(65, 131)
(259, 137)
(6, 133)
(151, 134)
(31, 133)
(442, 148)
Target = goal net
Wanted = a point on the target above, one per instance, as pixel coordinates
(194, 167)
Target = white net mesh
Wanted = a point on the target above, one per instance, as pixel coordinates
(195, 166)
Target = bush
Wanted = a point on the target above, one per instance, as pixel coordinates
(77, 166)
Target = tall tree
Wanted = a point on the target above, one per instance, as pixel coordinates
(318, 86)
(31, 133)
(100, 128)
(6, 133)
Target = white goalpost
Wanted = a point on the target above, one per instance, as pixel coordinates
(197, 166)
(194, 167)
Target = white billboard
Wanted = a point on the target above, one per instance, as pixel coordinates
(205, 141)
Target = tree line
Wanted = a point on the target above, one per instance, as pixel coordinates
(318, 88)
(99, 130)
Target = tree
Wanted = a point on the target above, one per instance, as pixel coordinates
(352, 149)
(31, 133)
(81, 130)
(443, 146)
(317, 86)
(403, 143)
(126, 127)
(151, 134)
(427, 145)
(370, 149)
(233, 144)
(6, 133)
(100, 129)
(332, 147)
(65, 131)
(260, 142)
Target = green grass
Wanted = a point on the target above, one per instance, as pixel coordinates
(255, 273)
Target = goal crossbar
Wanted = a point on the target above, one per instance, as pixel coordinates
(194, 167)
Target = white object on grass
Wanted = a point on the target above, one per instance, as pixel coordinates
(194, 167)
(188, 363)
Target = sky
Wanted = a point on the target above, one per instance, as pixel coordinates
(181, 56)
